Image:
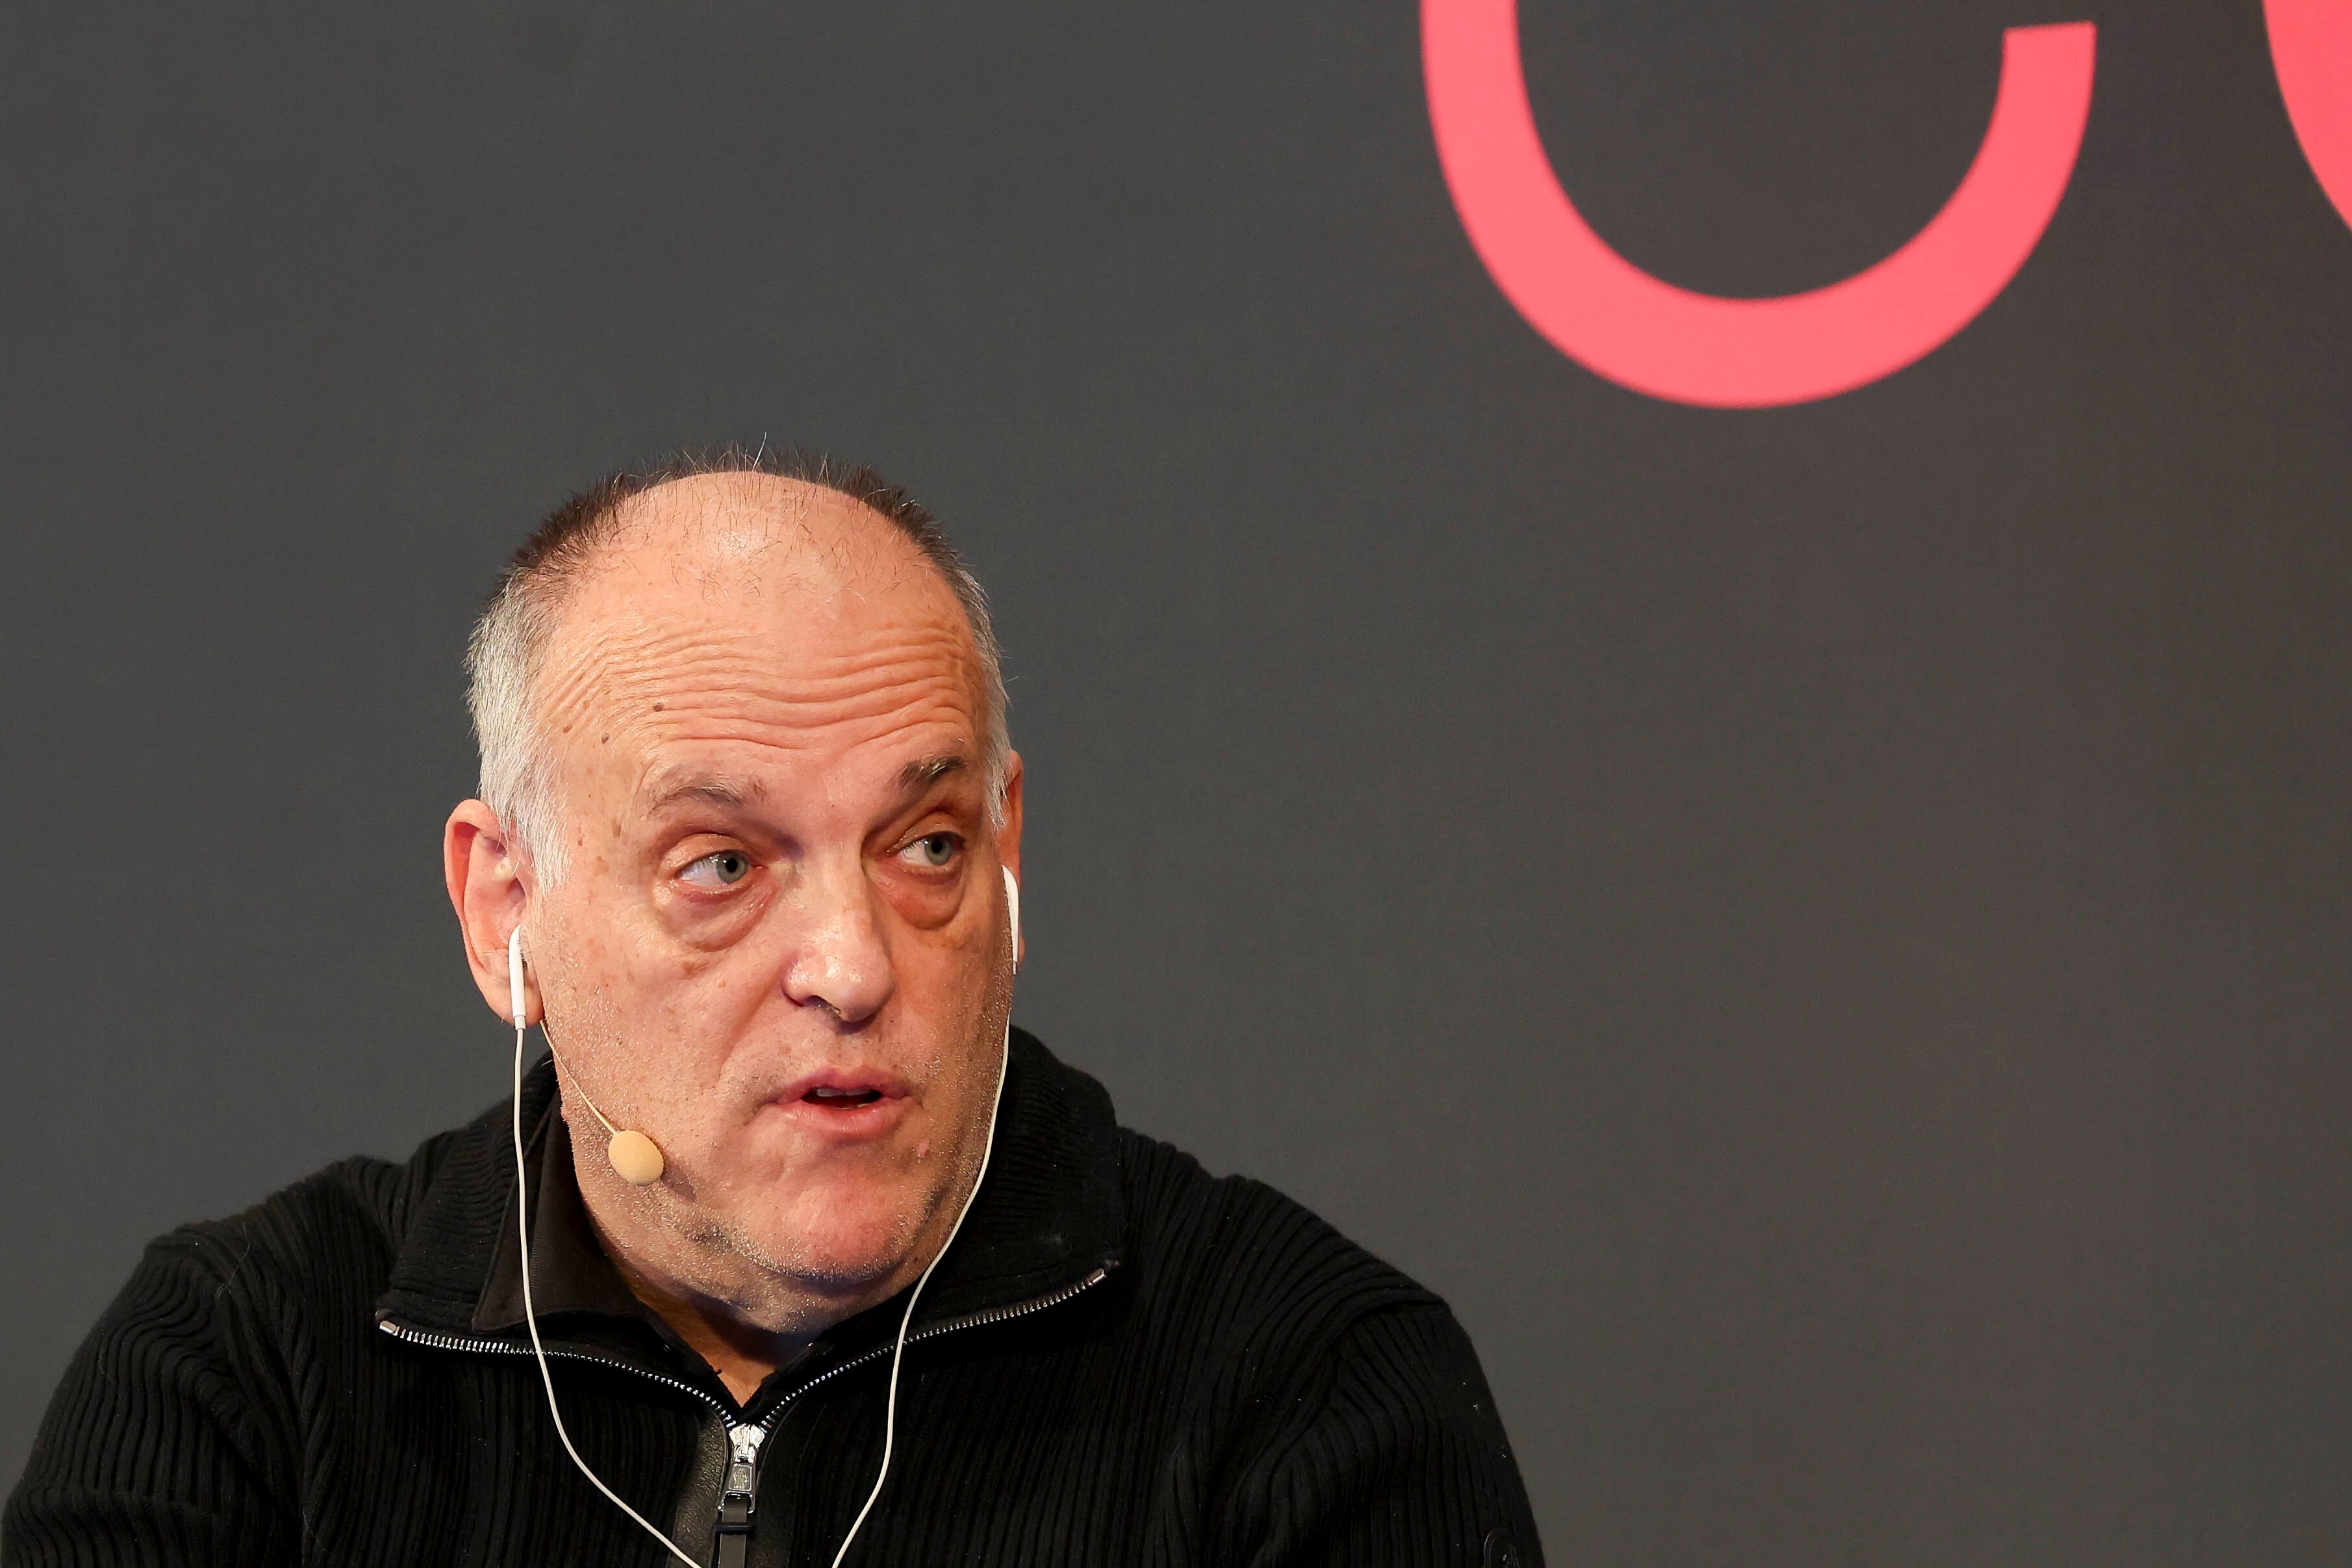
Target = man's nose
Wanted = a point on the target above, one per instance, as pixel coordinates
(840, 961)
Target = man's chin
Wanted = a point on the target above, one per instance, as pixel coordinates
(844, 1245)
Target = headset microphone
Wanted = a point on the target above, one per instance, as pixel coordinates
(635, 1158)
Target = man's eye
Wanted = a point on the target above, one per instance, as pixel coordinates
(935, 849)
(726, 867)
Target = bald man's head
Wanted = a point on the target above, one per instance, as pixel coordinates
(730, 522)
(749, 817)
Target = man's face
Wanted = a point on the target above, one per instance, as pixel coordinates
(778, 946)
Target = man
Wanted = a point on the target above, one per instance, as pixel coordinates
(747, 849)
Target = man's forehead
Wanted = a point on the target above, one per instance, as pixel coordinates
(734, 729)
(773, 584)
(750, 640)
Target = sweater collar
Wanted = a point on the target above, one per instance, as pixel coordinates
(1049, 1214)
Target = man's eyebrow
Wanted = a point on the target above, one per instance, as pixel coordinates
(713, 789)
(921, 775)
(727, 790)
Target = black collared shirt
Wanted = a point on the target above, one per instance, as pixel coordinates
(571, 1271)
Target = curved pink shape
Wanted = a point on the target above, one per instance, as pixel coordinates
(1614, 318)
(2311, 50)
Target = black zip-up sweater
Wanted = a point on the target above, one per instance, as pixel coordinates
(1120, 1361)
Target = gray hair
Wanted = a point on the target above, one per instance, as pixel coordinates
(510, 642)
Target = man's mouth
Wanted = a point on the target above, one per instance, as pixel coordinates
(835, 1098)
(845, 1104)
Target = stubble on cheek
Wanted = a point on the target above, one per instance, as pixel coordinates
(585, 1027)
(604, 1050)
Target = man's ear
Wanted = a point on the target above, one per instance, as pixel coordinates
(1008, 837)
(484, 871)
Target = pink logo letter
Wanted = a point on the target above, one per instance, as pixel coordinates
(2311, 48)
(1614, 318)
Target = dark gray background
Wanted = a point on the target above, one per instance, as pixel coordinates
(1823, 932)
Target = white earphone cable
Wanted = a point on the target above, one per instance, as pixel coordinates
(988, 1149)
(522, 1238)
(890, 1404)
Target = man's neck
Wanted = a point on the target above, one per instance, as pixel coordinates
(744, 1320)
(742, 1352)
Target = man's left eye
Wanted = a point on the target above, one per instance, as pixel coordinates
(934, 849)
(726, 867)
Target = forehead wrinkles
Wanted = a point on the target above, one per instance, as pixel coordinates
(731, 685)
(757, 612)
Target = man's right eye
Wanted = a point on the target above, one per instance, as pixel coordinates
(721, 867)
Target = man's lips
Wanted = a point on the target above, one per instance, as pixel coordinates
(843, 1104)
(832, 1098)
(842, 1091)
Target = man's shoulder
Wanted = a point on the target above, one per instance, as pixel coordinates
(1232, 1253)
(337, 1229)
(1346, 1411)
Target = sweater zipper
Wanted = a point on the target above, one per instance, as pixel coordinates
(739, 1491)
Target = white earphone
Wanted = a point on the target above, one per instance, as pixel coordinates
(638, 1160)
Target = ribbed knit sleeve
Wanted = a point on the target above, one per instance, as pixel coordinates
(162, 1446)
(1384, 1449)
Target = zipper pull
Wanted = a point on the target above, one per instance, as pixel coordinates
(737, 1494)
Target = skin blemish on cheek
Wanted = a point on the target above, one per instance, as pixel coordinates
(923, 1150)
